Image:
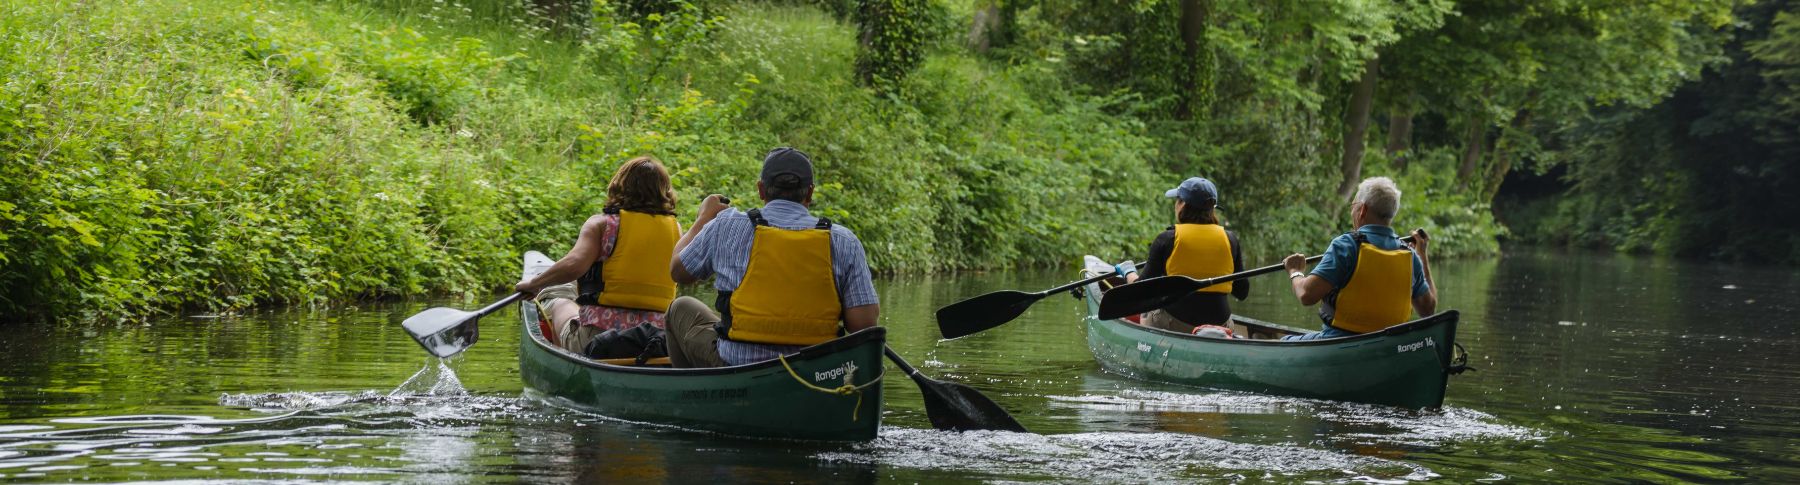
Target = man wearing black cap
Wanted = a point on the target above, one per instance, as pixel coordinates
(1196, 247)
(786, 279)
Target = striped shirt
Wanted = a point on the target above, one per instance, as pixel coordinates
(722, 250)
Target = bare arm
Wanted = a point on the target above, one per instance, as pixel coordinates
(577, 261)
(709, 209)
(861, 317)
(1310, 288)
(1426, 303)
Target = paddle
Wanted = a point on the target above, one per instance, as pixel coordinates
(994, 309)
(447, 331)
(1162, 291)
(956, 407)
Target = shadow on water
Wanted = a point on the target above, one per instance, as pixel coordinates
(1592, 368)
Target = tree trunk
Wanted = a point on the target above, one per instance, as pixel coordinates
(985, 26)
(1193, 33)
(1399, 136)
(1477, 139)
(1356, 128)
(1503, 155)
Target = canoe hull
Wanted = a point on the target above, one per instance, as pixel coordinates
(1403, 366)
(761, 400)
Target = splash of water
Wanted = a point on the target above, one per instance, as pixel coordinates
(440, 380)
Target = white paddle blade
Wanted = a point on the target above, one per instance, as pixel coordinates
(442, 331)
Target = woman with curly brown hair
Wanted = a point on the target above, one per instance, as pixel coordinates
(617, 275)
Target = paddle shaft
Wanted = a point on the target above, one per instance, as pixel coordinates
(498, 304)
(1266, 269)
(901, 363)
(1077, 284)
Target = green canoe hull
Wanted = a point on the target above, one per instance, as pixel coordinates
(1406, 365)
(760, 400)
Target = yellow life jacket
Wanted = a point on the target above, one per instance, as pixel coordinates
(1379, 292)
(636, 275)
(789, 294)
(1201, 251)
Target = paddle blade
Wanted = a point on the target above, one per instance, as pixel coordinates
(956, 407)
(443, 331)
(984, 312)
(1146, 295)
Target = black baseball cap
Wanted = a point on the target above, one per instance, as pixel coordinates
(787, 161)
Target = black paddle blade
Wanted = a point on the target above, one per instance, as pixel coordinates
(1146, 295)
(984, 312)
(956, 407)
(443, 331)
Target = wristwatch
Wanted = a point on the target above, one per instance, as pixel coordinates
(1295, 274)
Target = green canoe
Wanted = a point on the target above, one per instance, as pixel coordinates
(1407, 365)
(761, 400)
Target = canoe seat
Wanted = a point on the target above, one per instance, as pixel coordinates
(632, 362)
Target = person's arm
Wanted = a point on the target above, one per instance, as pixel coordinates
(856, 283)
(577, 261)
(1424, 302)
(861, 317)
(709, 209)
(1157, 263)
(1241, 289)
(1309, 288)
(1314, 286)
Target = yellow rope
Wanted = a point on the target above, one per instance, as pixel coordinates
(843, 390)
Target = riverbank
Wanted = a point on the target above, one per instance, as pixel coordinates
(217, 155)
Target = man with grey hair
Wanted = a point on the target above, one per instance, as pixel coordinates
(1369, 279)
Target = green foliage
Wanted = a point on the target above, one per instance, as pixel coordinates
(1711, 172)
(213, 157)
(892, 38)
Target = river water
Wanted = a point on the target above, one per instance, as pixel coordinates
(1591, 368)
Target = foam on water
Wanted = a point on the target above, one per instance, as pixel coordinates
(1115, 457)
(1436, 428)
(1374, 424)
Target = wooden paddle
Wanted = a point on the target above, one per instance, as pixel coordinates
(447, 331)
(994, 309)
(956, 407)
(1162, 291)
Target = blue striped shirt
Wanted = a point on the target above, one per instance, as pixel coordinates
(722, 250)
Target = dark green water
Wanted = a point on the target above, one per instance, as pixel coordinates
(1592, 368)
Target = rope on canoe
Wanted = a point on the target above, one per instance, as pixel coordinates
(1459, 362)
(844, 390)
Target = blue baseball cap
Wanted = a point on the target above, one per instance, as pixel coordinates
(1195, 190)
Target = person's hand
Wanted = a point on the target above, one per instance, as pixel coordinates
(1295, 262)
(712, 206)
(525, 287)
(1125, 267)
(1420, 241)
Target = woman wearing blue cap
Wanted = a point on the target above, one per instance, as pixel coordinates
(1198, 247)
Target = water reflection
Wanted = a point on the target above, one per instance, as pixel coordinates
(1590, 366)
